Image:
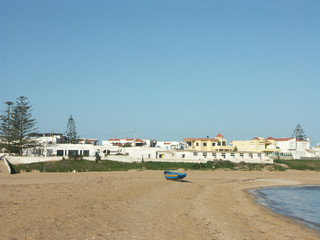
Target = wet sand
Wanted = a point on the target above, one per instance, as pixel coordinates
(143, 205)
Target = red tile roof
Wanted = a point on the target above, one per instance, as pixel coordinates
(200, 139)
(287, 139)
(219, 135)
(126, 139)
(114, 139)
(270, 138)
(283, 139)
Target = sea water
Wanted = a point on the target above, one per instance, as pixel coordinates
(301, 203)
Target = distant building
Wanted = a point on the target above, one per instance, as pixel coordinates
(54, 144)
(295, 147)
(315, 151)
(257, 144)
(88, 141)
(48, 138)
(170, 145)
(125, 142)
(219, 144)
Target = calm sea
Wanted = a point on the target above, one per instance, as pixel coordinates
(301, 203)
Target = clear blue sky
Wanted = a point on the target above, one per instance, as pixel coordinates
(170, 69)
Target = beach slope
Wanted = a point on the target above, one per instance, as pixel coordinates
(143, 205)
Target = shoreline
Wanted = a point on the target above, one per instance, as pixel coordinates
(143, 205)
(263, 198)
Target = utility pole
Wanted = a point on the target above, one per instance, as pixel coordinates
(135, 131)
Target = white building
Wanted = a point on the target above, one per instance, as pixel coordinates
(170, 145)
(88, 141)
(294, 147)
(63, 150)
(315, 151)
(126, 142)
(48, 138)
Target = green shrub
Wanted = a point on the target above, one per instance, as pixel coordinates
(277, 167)
(313, 165)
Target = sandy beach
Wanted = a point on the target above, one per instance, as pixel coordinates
(143, 205)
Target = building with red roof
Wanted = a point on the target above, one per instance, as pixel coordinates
(257, 144)
(219, 143)
(294, 147)
(125, 142)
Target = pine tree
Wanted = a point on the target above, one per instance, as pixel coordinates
(71, 132)
(298, 133)
(23, 124)
(6, 128)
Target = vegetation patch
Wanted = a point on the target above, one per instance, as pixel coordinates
(313, 165)
(79, 165)
(107, 165)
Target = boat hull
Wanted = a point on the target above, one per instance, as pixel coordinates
(174, 175)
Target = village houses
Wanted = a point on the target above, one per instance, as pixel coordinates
(256, 150)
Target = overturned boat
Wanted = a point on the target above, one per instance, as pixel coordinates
(174, 175)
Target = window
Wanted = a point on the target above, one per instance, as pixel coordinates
(59, 152)
(214, 155)
(213, 144)
(204, 144)
(223, 155)
(197, 144)
(219, 143)
(223, 143)
(49, 152)
(72, 152)
(204, 154)
(195, 154)
(85, 152)
(182, 155)
(161, 155)
(232, 154)
(250, 155)
(241, 155)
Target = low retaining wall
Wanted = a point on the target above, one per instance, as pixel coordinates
(27, 160)
(121, 158)
(128, 158)
(131, 159)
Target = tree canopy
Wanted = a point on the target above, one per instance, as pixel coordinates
(298, 133)
(71, 132)
(16, 125)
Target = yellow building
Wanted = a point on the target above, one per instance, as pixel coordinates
(219, 143)
(256, 145)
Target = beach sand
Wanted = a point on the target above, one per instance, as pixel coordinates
(143, 205)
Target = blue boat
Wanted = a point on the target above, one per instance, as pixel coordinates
(174, 175)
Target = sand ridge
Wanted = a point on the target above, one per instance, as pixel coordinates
(143, 205)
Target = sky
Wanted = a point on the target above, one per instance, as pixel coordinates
(167, 69)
